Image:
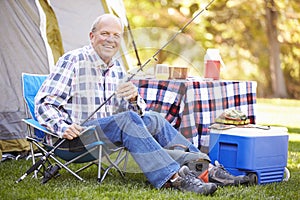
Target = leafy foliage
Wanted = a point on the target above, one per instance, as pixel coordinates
(237, 28)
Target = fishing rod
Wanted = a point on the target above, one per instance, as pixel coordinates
(41, 162)
(37, 165)
(51, 171)
(153, 57)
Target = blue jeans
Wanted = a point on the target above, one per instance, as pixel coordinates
(145, 138)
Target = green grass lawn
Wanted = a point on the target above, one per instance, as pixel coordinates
(134, 186)
(279, 112)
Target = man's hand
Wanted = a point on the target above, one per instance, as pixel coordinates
(127, 90)
(72, 132)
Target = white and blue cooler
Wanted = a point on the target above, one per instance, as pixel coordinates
(261, 154)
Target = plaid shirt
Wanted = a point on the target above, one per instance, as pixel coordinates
(79, 84)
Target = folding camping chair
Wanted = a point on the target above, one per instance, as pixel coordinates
(91, 153)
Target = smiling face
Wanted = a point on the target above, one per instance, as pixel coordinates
(106, 36)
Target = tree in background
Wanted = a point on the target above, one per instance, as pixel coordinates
(278, 82)
(258, 40)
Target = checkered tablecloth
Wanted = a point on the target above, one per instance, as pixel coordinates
(192, 106)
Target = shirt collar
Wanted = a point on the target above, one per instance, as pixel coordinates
(98, 62)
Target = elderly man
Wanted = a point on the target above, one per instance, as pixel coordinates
(83, 79)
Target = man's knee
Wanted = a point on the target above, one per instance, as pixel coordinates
(128, 115)
(154, 117)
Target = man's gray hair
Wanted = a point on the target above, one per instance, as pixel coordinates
(98, 20)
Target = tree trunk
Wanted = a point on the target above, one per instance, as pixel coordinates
(277, 78)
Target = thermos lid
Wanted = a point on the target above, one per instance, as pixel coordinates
(213, 54)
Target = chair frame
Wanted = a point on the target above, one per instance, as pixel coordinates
(99, 146)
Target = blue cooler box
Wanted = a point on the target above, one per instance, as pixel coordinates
(261, 154)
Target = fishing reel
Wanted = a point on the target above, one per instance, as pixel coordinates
(50, 172)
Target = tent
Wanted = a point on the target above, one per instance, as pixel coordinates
(33, 35)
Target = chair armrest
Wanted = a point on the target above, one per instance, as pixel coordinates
(35, 124)
(88, 130)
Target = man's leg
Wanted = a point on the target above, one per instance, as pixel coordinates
(129, 129)
(183, 157)
(165, 134)
(168, 137)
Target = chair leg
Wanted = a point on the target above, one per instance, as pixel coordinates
(119, 159)
(30, 131)
(114, 164)
(57, 161)
(99, 180)
(66, 168)
(126, 160)
(33, 159)
(32, 142)
(85, 167)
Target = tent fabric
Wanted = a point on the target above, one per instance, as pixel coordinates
(53, 34)
(15, 145)
(78, 15)
(22, 50)
(33, 35)
(74, 19)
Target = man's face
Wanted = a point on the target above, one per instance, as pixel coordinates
(106, 38)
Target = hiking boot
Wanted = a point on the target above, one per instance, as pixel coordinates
(221, 177)
(198, 166)
(187, 181)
